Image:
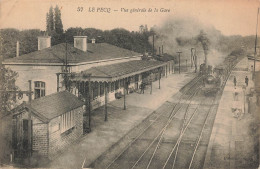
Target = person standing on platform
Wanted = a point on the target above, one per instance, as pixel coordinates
(142, 88)
(246, 81)
(235, 81)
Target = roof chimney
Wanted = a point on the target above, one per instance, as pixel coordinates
(93, 40)
(162, 49)
(44, 42)
(80, 42)
(17, 49)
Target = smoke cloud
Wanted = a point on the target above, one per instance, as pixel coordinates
(182, 34)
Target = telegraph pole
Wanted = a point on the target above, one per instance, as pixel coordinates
(29, 120)
(256, 40)
(179, 61)
(89, 102)
(153, 44)
(124, 94)
(106, 91)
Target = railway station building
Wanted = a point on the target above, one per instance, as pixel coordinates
(46, 67)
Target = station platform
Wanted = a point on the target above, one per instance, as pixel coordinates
(232, 142)
(120, 122)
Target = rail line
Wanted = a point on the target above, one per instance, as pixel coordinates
(170, 118)
(182, 132)
(159, 142)
(161, 135)
(222, 88)
(202, 129)
(172, 113)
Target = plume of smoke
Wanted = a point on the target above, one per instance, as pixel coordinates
(182, 34)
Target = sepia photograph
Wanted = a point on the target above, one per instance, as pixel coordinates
(130, 84)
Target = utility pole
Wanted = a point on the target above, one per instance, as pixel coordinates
(58, 82)
(106, 91)
(29, 120)
(89, 102)
(153, 44)
(66, 66)
(151, 80)
(186, 65)
(256, 40)
(179, 61)
(196, 62)
(124, 94)
(191, 57)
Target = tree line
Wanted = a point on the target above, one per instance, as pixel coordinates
(135, 41)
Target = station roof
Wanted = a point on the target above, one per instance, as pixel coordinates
(53, 105)
(118, 71)
(56, 55)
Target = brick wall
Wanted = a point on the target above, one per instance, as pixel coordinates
(59, 141)
(40, 138)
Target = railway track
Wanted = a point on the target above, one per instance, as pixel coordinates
(193, 153)
(154, 133)
(178, 137)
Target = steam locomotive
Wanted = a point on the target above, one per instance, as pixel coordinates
(212, 79)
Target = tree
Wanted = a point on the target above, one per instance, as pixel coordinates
(7, 99)
(57, 21)
(50, 21)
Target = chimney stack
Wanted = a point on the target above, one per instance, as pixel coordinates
(44, 42)
(162, 49)
(17, 49)
(80, 42)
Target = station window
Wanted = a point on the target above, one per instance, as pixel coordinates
(39, 89)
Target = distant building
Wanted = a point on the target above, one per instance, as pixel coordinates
(143, 28)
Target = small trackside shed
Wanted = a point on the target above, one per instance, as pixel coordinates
(57, 121)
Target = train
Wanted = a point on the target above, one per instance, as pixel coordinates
(212, 79)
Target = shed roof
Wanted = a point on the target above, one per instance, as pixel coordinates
(53, 105)
(57, 54)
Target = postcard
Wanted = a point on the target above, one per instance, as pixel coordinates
(129, 84)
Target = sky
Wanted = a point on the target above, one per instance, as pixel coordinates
(231, 17)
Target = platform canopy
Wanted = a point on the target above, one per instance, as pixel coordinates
(113, 72)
